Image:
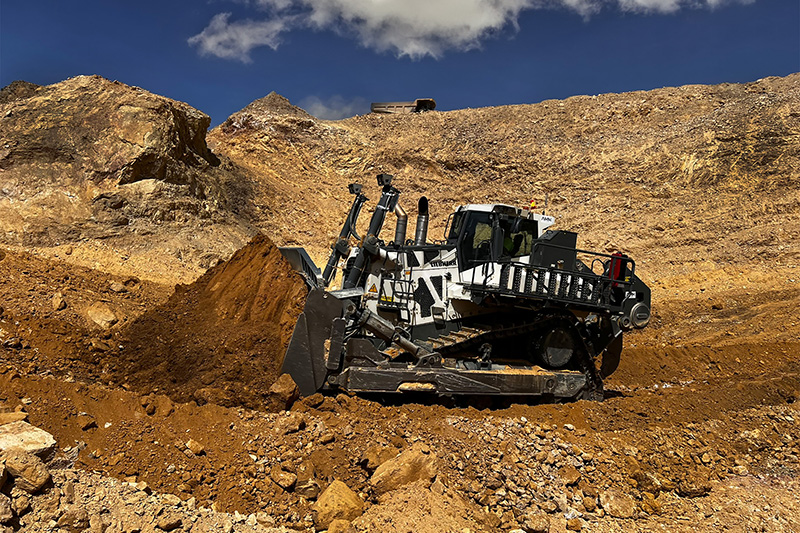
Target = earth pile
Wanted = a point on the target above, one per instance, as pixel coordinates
(222, 338)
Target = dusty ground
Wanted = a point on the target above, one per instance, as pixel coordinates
(700, 430)
(700, 435)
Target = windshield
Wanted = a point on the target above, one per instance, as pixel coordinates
(475, 231)
(519, 243)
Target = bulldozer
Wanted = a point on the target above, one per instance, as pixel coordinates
(502, 305)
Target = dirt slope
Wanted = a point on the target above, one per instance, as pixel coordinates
(634, 170)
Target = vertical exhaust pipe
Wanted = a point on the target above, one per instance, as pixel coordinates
(422, 222)
(402, 224)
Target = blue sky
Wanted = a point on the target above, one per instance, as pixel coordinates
(334, 57)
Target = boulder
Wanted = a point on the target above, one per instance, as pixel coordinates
(617, 504)
(291, 424)
(286, 480)
(195, 447)
(21, 436)
(58, 302)
(411, 465)
(29, 472)
(570, 475)
(168, 523)
(574, 524)
(117, 287)
(20, 501)
(74, 520)
(283, 393)
(102, 315)
(307, 486)
(337, 502)
(6, 512)
(308, 489)
(376, 455)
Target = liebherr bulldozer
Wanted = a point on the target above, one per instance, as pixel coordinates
(501, 306)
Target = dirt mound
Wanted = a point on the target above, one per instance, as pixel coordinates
(222, 338)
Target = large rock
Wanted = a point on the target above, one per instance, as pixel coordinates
(102, 315)
(411, 465)
(6, 512)
(617, 504)
(29, 472)
(307, 485)
(74, 520)
(283, 393)
(337, 502)
(292, 423)
(58, 302)
(21, 436)
(89, 158)
(375, 456)
(286, 480)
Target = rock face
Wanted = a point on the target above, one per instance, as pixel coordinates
(92, 158)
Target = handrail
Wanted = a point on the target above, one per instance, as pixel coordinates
(588, 252)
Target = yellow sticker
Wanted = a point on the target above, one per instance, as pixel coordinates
(373, 288)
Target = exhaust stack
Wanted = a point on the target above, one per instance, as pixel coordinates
(422, 222)
(402, 224)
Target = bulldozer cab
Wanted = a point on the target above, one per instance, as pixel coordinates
(490, 233)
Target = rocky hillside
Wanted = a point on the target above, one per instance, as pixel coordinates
(629, 169)
(698, 183)
(116, 174)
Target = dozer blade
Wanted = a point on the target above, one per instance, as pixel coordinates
(306, 356)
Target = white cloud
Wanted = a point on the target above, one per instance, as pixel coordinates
(335, 107)
(234, 40)
(414, 28)
(671, 6)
